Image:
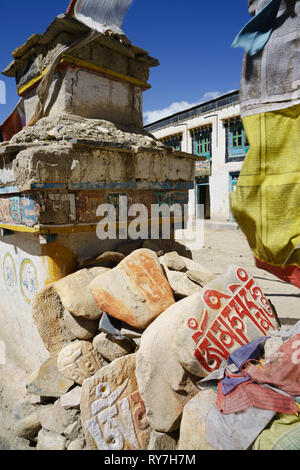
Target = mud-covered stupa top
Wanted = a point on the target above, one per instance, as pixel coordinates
(109, 50)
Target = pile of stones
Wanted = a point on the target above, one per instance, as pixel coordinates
(128, 345)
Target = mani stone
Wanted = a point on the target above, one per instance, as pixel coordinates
(111, 349)
(48, 381)
(49, 440)
(72, 294)
(28, 427)
(78, 361)
(80, 327)
(196, 336)
(112, 412)
(193, 423)
(136, 291)
(164, 385)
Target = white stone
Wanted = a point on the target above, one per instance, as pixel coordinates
(174, 261)
(162, 441)
(55, 418)
(71, 399)
(80, 327)
(272, 345)
(48, 440)
(181, 285)
(110, 349)
(77, 444)
(48, 381)
(193, 424)
(72, 431)
(28, 427)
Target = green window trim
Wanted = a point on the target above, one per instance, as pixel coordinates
(202, 143)
(238, 140)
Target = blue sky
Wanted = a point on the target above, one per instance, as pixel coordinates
(192, 40)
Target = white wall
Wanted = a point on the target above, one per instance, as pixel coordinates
(220, 179)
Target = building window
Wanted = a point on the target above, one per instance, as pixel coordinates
(201, 139)
(174, 141)
(237, 140)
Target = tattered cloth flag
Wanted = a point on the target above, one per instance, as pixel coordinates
(255, 35)
(14, 123)
(100, 15)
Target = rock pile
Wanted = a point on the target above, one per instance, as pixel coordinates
(128, 346)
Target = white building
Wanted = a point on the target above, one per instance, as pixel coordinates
(213, 130)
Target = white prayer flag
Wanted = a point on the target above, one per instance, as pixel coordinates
(102, 15)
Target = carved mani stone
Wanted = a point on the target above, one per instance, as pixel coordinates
(136, 291)
(112, 411)
(78, 361)
(196, 336)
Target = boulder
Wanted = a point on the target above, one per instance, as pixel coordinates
(48, 381)
(201, 278)
(162, 441)
(22, 444)
(48, 440)
(109, 259)
(72, 431)
(78, 444)
(75, 295)
(71, 400)
(80, 327)
(164, 385)
(272, 345)
(112, 412)
(174, 261)
(136, 291)
(28, 427)
(131, 333)
(184, 284)
(195, 337)
(78, 361)
(72, 294)
(111, 349)
(55, 418)
(180, 283)
(193, 429)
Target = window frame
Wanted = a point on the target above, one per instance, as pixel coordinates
(235, 148)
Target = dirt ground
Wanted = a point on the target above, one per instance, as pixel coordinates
(224, 247)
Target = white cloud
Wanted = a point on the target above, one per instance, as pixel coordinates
(177, 106)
